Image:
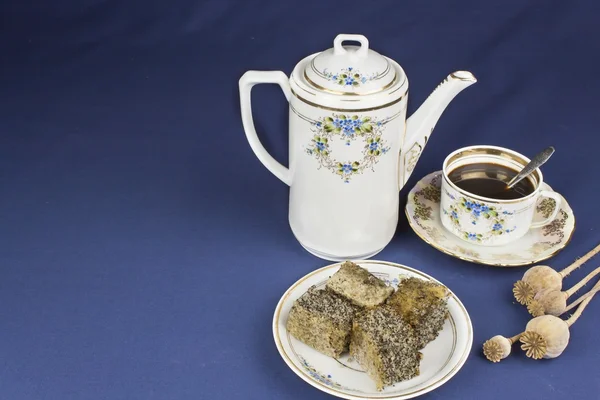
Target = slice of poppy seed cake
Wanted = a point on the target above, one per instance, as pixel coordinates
(385, 346)
(322, 320)
(359, 286)
(424, 305)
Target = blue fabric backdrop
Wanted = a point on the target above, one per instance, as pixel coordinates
(143, 247)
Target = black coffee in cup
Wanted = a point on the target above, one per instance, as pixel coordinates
(490, 180)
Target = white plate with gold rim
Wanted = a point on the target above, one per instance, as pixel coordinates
(423, 214)
(343, 377)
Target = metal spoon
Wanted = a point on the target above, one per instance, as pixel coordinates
(534, 164)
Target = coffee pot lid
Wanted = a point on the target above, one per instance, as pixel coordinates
(350, 70)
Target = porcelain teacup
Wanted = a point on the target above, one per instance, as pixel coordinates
(491, 221)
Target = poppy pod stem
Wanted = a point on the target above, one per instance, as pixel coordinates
(583, 282)
(579, 262)
(575, 303)
(582, 306)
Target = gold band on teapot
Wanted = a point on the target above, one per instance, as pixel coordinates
(310, 103)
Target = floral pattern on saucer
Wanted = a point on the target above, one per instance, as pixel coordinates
(423, 213)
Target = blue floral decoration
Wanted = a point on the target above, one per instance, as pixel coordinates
(477, 211)
(348, 128)
(348, 77)
(325, 379)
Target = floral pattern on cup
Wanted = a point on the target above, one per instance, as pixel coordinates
(348, 77)
(349, 128)
(475, 209)
(493, 217)
(453, 215)
(498, 228)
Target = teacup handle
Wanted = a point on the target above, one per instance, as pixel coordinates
(558, 199)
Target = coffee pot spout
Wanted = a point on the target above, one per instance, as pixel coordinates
(420, 125)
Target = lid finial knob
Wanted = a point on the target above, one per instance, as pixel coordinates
(338, 49)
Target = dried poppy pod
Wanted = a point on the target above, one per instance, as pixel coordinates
(544, 337)
(499, 347)
(554, 302)
(542, 277)
(548, 336)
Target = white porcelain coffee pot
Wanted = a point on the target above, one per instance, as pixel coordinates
(351, 147)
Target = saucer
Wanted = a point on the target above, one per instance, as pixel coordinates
(423, 213)
(344, 377)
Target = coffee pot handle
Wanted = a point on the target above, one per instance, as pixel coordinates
(247, 81)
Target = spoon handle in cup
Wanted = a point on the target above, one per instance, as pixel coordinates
(534, 164)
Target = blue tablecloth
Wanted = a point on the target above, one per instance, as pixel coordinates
(143, 247)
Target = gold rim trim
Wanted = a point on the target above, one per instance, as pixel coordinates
(480, 262)
(395, 90)
(336, 92)
(306, 90)
(482, 151)
(311, 121)
(388, 67)
(310, 103)
(402, 267)
(464, 193)
(464, 78)
(302, 117)
(477, 151)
